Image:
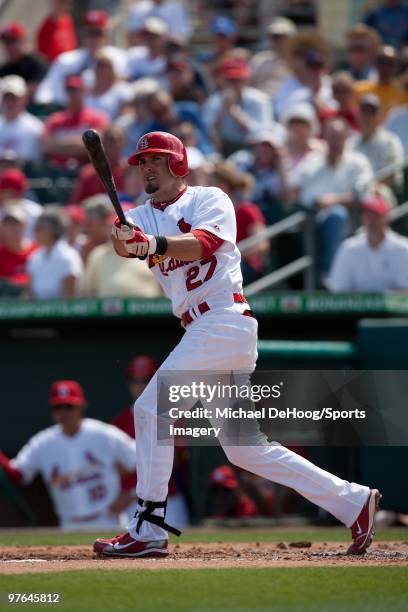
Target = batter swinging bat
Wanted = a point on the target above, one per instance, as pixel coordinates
(97, 155)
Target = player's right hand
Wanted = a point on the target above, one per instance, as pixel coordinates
(123, 232)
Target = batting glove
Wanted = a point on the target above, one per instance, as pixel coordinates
(123, 232)
(141, 245)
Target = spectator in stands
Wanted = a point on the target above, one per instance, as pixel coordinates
(250, 220)
(15, 250)
(235, 111)
(13, 189)
(81, 61)
(132, 193)
(74, 234)
(62, 139)
(167, 114)
(331, 185)
(381, 147)
(98, 221)
(374, 260)
(385, 86)
(390, 19)
(227, 497)
(56, 33)
(184, 81)
(302, 144)
(88, 183)
(308, 55)
(107, 275)
(108, 93)
(135, 122)
(19, 130)
(397, 121)
(269, 68)
(363, 44)
(172, 12)
(344, 96)
(18, 58)
(199, 168)
(149, 58)
(56, 267)
(224, 34)
(266, 162)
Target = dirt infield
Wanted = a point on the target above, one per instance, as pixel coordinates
(18, 559)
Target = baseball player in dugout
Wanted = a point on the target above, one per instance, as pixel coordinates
(187, 235)
(81, 461)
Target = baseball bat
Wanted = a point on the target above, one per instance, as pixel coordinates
(97, 155)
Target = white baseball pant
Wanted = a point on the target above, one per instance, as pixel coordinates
(225, 340)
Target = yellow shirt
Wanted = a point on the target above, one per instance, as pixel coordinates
(389, 95)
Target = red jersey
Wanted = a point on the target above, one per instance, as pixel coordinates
(89, 183)
(13, 266)
(55, 36)
(65, 123)
(248, 214)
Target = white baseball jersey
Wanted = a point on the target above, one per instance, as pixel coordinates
(188, 283)
(80, 471)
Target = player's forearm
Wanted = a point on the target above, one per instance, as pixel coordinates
(185, 247)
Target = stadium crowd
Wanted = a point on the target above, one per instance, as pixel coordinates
(286, 124)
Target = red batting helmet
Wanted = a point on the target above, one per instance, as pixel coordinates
(163, 142)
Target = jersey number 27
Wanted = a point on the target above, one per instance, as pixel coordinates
(194, 271)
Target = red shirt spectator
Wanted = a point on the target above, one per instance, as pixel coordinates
(56, 33)
(62, 140)
(88, 183)
(15, 251)
(249, 216)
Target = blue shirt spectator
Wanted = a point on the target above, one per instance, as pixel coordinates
(390, 20)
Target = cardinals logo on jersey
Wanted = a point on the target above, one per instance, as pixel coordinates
(183, 226)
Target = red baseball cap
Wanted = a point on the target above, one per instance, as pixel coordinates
(75, 213)
(13, 179)
(96, 19)
(74, 82)
(13, 31)
(224, 476)
(66, 392)
(141, 368)
(376, 204)
(235, 68)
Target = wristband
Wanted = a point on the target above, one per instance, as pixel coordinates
(161, 245)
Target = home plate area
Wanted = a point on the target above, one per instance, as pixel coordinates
(21, 559)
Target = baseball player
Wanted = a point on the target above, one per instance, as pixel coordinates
(188, 235)
(81, 461)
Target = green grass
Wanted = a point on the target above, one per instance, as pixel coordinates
(333, 534)
(363, 589)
